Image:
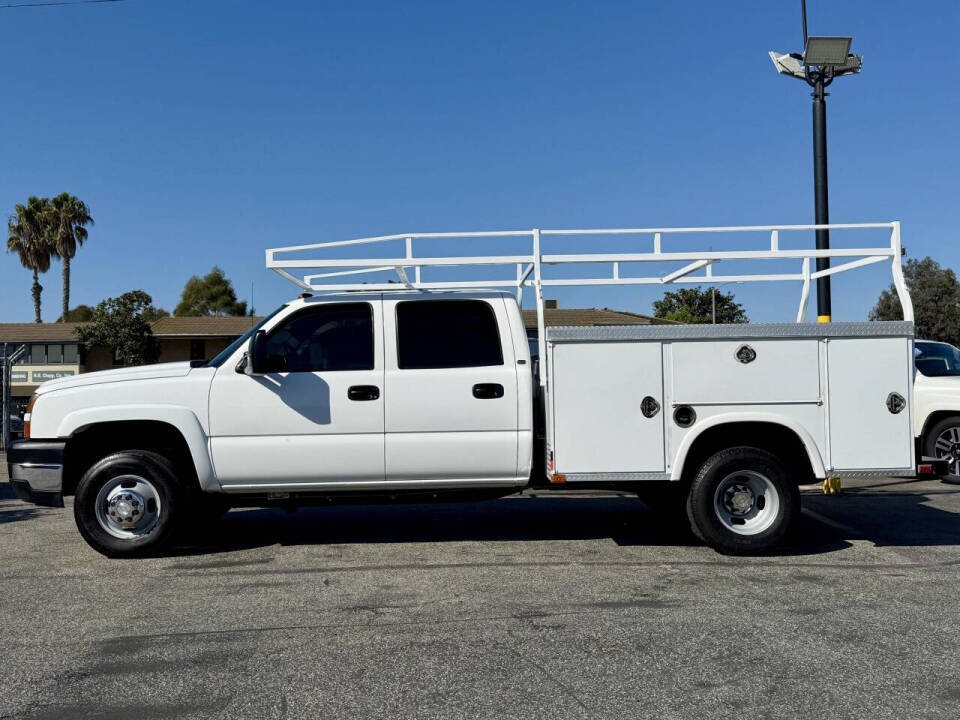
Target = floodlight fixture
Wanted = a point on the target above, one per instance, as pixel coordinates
(792, 65)
(789, 64)
(826, 51)
(852, 65)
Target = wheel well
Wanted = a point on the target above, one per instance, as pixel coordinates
(88, 445)
(933, 418)
(777, 439)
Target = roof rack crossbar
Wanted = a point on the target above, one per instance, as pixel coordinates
(529, 266)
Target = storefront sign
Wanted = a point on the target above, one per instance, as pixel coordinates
(39, 376)
(18, 376)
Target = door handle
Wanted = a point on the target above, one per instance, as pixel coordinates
(487, 391)
(363, 392)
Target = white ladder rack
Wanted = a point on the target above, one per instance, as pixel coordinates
(529, 265)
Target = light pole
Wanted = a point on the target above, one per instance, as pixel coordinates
(713, 298)
(823, 60)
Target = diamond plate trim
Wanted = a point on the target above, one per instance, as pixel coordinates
(616, 476)
(887, 328)
(889, 472)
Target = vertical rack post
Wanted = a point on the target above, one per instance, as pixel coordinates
(898, 281)
(538, 289)
(805, 292)
(416, 268)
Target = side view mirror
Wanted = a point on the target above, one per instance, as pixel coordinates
(256, 357)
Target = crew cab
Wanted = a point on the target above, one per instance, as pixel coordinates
(374, 392)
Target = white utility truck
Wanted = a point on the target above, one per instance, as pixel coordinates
(422, 389)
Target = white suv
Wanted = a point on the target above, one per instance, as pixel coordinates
(937, 401)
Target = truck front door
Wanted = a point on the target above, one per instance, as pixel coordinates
(451, 391)
(316, 416)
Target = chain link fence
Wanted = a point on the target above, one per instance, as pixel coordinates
(12, 423)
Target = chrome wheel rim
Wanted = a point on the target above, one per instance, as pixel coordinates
(128, 507)
(746, 502)
(947, 447)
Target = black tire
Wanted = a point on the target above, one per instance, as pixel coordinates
(688, 517)
(154, 470)
(772, 493)
(930, 443)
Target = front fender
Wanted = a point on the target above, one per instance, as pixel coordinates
(809, 444)
(181, 418)
(932, 406)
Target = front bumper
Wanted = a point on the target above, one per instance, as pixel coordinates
(36, 471)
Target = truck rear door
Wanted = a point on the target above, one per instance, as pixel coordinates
(450, 390)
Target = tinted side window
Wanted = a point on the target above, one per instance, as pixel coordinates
(447, 334)
(329, 337)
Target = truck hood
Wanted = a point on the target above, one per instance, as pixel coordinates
(142, 372)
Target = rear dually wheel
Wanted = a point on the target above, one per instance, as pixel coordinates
(743, 501)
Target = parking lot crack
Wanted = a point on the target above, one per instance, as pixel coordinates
(564, 688)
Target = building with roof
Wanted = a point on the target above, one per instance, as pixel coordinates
(53, 350)
(554, 316)
(198, 338)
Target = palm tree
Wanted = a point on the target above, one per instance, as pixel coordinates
(68, 215)
(29, 237)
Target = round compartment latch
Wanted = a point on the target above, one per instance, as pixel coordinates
(745, 354)
(895, 402)
(649, 407)
(684, 416)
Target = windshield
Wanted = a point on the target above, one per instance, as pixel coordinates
(232, 347)
(935, 359)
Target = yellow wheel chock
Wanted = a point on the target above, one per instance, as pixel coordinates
(831, 486)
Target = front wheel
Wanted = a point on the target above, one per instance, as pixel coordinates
(942, 441)
(742, 501)
(127, 503)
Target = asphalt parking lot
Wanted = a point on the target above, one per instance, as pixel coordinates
(573, 606)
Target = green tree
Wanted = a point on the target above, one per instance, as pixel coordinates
(119, 324)
(152, 314)
(213, 294)
(683, 315)
(29, 236)
(81, 313)
(935, 293)
(68, 216)
(695, 305)
(84, 313)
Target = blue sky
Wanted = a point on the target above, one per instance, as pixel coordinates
(202, 132)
